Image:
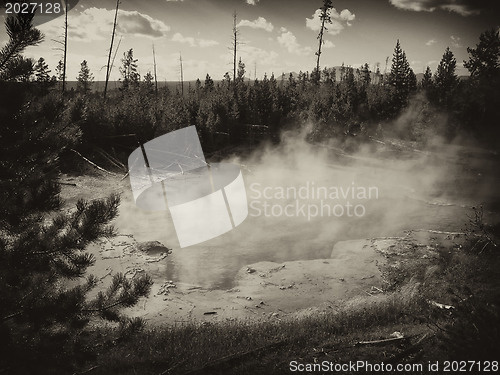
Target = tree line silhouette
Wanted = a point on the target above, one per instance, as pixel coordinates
(226, 111)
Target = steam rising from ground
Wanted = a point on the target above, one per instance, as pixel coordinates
(429, 189)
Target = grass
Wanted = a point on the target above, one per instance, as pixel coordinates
(189, 347)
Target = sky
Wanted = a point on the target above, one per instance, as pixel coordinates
(275, 36)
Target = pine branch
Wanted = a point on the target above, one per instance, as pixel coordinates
(13, 315)
(21, 34)
(129, 295)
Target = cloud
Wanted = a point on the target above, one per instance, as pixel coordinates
(289, 41)
(264, 60)
(263, 57)
(252, 2)
(455, 41)
(178, 37)
(462, 7)
(194, 68)
(95, 24)
(133, 22)
(431, 42)
(328, 44)
(415, 64)
(207, 43)
(259, 23)
(345, 15)
(193, 42)
(338, 21)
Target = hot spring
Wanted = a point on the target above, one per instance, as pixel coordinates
(303, 198)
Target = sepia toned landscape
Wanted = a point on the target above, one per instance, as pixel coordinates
(366, 138)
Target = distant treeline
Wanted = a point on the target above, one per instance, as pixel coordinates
(338, 102)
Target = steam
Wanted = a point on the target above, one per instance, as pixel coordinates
(431, 188)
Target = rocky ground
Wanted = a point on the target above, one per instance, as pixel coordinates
(264, 290)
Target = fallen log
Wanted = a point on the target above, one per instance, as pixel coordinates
(92, 163)
(112, 159)
(381, 342)
(126, 174)
(441, 305)
(87, 371)
(439, 232)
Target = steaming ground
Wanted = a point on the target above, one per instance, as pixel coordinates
(410, 189)
(401, 188)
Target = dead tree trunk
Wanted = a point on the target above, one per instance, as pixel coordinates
(156, 78)
(325, 18)
(182, 75)
(235, 45)
(65, 45)
(108, 68)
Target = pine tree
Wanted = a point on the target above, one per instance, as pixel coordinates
(378, 74)
(484, 60)
(59, 70)
(366, 75)
(42, 76)
(44, 318)
(482, 106)
(128, 70)
(22, 34)
(43, 309)
(149, 82)
(240, 98)
(21, 71)
(328, 76)
(350, 89)
(412, 80)
(241, 72)
(209, 84)
(42, 71)
(427, 79)
(197, 86)
(445, 78)
(85, 78)
(226, 82)
(148, 79)
(342, 72)
(400, 77)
